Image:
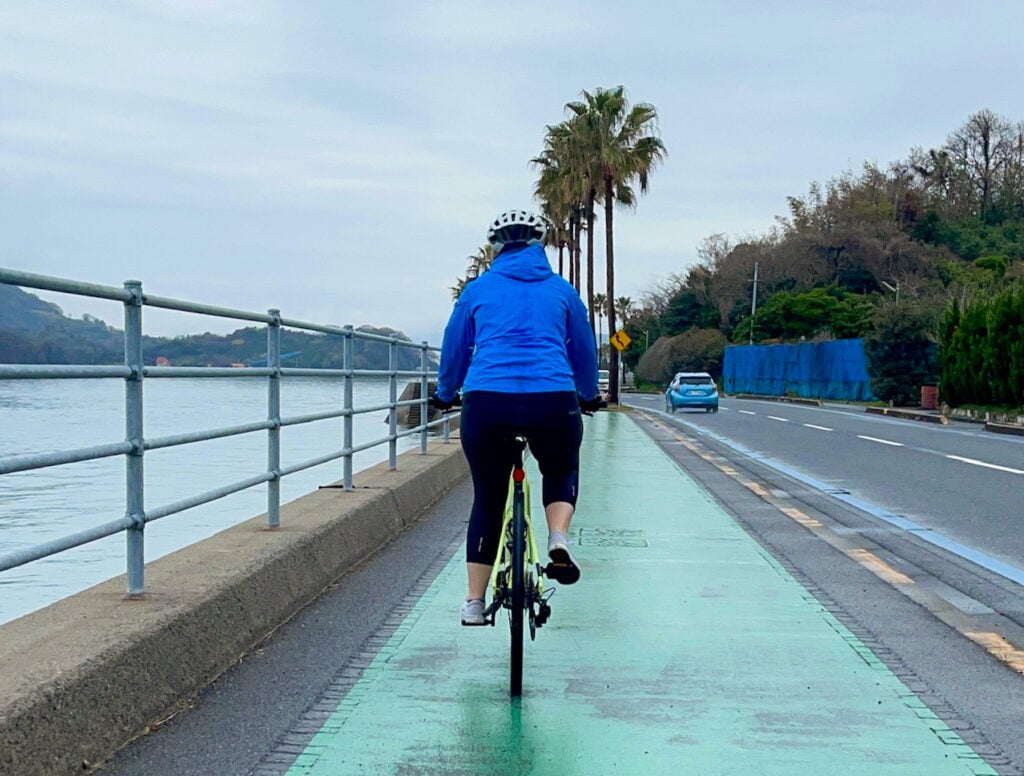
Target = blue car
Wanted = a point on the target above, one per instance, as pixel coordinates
(692, 389)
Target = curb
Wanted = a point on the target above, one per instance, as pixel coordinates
(895, 412)
(84, 676)
(1004, 428)
(789, 399)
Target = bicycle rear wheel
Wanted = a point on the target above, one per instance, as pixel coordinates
(518, 592)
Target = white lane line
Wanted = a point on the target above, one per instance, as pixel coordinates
(986, 465)
(747, 412)
(880, 441)
(820, 428)
(776, 417)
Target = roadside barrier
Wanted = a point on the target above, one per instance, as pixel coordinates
(134, 372)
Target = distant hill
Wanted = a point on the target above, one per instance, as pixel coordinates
(23, 311)
(36, 332)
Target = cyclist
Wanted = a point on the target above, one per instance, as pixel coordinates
(519, 345)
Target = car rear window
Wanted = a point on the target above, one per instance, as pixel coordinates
(695, 380)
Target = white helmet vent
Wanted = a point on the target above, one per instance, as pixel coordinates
(517, 226)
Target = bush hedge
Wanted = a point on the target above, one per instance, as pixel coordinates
(981, 351)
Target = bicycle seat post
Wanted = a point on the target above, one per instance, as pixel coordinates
(520, 446)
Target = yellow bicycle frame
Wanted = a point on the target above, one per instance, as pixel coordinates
(532, 557)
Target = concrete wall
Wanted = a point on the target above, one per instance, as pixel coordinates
(87, 674)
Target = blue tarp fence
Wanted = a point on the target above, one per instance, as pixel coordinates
(813, 370)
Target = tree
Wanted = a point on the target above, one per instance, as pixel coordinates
(833, 312)
(901, 352)
(696, 350)
(981, 149)
(479, 263)
(562, 189)
(623, 307)
(620, 143)
(600, 303)
(981, 351)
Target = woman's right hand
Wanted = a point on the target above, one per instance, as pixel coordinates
(590, 406)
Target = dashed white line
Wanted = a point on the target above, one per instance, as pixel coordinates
(986, 465)
(880, 441)
(820, 428)
(747, 412)
(776, 417)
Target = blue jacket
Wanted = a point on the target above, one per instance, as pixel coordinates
(518, 328)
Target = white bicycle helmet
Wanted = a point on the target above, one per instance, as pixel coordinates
(516, 226)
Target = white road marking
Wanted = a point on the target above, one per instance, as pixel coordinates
(747, 412)
(986, 465)
(776, 417)
(820, 428)
(880, 441)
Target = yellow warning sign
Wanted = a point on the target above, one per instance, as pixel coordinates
(620, 340)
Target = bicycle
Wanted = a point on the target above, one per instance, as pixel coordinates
(516, 582)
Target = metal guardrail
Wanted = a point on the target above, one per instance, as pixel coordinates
(133, 448)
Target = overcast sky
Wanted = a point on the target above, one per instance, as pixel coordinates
(340, 160)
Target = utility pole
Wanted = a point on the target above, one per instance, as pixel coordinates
(753, 306)
(896, 289)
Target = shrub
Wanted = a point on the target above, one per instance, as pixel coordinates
(901, 352)
(982, 351)
(695, 350)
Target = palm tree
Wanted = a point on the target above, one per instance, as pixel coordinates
(622, 145)
(600, 303)
(479, 263)
(556, 236)
(623, 307)
(566, 187)
(554, 190)
(570, 143)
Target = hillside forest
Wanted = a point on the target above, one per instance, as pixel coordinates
(923, 258)
(33, 331)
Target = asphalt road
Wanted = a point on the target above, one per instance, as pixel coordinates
(958, 480)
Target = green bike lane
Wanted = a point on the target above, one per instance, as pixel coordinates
(685, 648)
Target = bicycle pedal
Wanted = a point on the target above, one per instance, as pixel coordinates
(566, 573)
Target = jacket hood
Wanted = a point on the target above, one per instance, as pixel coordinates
(528, 263)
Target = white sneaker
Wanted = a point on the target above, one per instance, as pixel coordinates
(473, 612)
(563, 567)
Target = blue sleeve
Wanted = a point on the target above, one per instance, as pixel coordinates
(581, 348)
(456, 350)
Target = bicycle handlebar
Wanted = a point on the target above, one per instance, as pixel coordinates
(456, 401)
(436, 403)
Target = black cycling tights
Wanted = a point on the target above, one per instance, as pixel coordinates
(550, 422)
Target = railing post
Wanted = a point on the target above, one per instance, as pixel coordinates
(347, 359)
(424, 386)
(393, 413)
(274, 417)
(134, 476)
